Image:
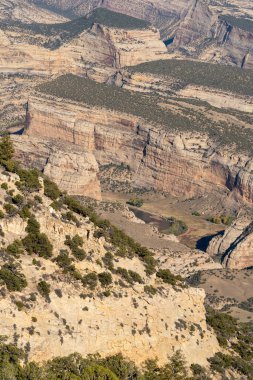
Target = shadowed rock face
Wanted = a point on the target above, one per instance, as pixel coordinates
(160, 12)
(236, 245)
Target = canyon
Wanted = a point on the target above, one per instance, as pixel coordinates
(130, 185)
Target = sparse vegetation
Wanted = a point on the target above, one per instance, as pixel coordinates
(12, 278)
(51, 190)
(168, 277)
(136, 202)
(235, 336)
(105, 278)
(44, 289)
(35, 241)
(91, 368)
(202, 73)
(75, 245)
(90, 280)
(239, 22)
(177, 227)
(223, 219)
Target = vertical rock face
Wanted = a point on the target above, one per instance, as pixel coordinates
(102, 45)
(130, 47)
(161, 13)
(25, 11)
(236, 245)
(75, 171)
(195, 26)
(184, 164)
(236, 43)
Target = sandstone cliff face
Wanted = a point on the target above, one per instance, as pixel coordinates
(101, 45)
(195, 26)
(75, 171)
(127, 320)
(232, 45)
(184, 164)
(161, 13)
(24, 11)
(236, 245)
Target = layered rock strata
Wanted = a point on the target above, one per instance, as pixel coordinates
(75, 171)
(185, 164)
(236, 245)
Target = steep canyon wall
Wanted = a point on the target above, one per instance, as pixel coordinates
(183, 164)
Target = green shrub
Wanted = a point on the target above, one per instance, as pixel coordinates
(98, 372)
(108, 261)
(90, 280)
(135, 277)
(130, 276)
(19, 305)
(136, 202)
(51, 190)
(177, 227)
(15, 249)
(25, 212)
(168, 277)
(149, 289)
(37, 242)
(69, 216)
(105, 278)
(4, 186)
(1, 214)
(10, 209)
(6, 149)
(75, 245)
(44, 289)
(18, 199)
(224, 325)
(14, 280)
(64, 261)
(29, 180)
(38, 199)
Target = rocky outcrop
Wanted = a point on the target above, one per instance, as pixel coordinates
(164, 85)
(185, 164)
(74, 318)
(75, 171)
(102, 45)
(161, 13)
(195, 26)
(233, 45)
(25, 11)
(236, 245)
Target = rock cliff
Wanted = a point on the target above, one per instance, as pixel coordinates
(185, 164)
(75, 171)
(236, 245)
(86, 317)
(25, 11)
